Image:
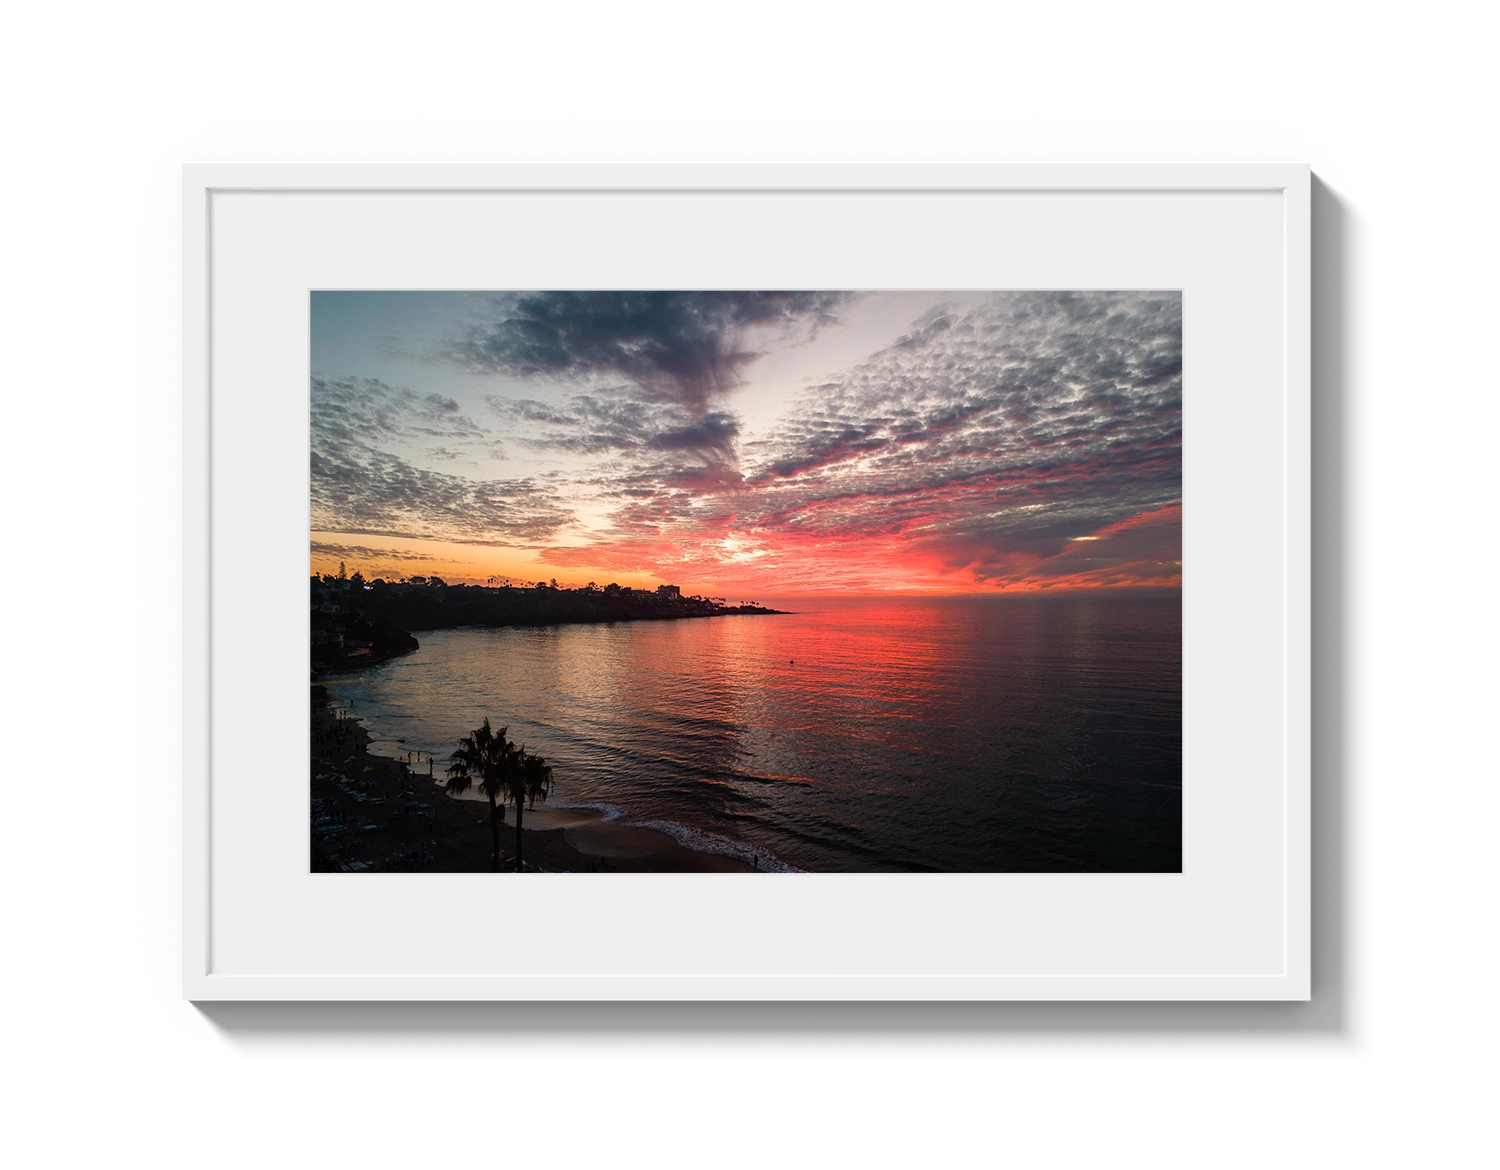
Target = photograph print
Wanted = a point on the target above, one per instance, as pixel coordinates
(722, 581)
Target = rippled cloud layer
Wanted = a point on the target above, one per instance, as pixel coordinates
(1010, 440)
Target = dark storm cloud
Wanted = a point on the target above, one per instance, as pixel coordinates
(712, 438)
(682, 347)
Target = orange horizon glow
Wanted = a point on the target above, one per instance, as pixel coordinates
(1140, 551)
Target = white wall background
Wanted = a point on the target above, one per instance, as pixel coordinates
(1393, 1061)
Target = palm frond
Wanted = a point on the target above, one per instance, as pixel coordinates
(482, 759)
(533, 780)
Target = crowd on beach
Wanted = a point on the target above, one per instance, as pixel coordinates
(371, 812)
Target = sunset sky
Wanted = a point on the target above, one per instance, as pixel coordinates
(748, 444)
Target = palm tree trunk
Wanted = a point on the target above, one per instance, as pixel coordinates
(518, 836)
(495, 834)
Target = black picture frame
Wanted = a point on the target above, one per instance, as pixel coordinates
(1335, 1025)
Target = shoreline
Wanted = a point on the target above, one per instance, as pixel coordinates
(322, 671)
(547, 623)
(371, 814)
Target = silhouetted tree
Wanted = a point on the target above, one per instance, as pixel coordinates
(486, 759)
(530, 781)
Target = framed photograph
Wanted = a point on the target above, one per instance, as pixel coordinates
(746, 582)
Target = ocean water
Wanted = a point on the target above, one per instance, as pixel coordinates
(996, 733)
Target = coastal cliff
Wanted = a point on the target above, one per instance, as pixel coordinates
(343, 637)
(429, 606)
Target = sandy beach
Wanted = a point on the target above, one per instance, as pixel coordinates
(370, 813)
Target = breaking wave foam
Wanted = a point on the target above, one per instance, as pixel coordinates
(697, 840)
(612, 813)
(703, 842)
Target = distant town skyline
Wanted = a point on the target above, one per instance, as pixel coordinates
(750, 444)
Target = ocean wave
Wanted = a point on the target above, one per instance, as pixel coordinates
(698, 840)
(704, 842)
(613, 813)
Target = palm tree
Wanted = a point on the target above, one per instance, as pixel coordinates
(530, 781)
(487, 759)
